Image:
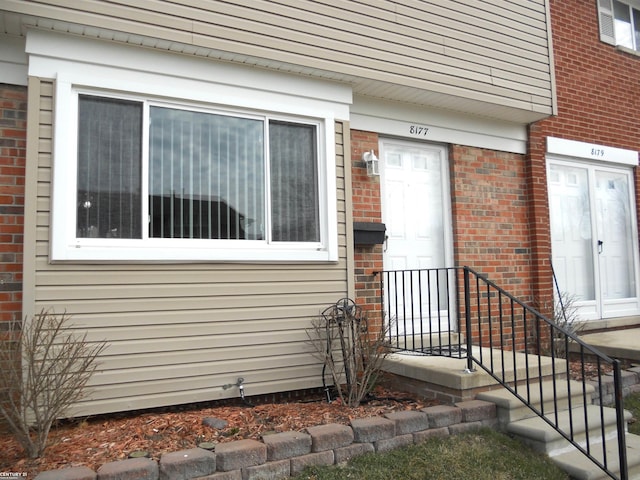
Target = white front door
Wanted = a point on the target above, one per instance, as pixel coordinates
(416, 211)
(593, 237)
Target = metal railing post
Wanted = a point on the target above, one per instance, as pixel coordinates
(467, 317)
(620, 422)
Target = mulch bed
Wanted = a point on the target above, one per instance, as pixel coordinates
(93, 442)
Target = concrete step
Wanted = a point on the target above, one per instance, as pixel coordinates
(539, 435)
(541, 395)
(448, 378)
(580, 467)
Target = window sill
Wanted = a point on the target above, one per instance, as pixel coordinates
(199, 252)
(628, 50)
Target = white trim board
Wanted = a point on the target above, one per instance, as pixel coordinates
(438, 126)
(591, 151)
(13, 60)
(142, 68)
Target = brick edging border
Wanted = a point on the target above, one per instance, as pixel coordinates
(281, 455)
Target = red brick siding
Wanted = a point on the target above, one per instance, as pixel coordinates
(491, 221)
(490, 217)
(366, 208)
(598, 94)
(13, 125)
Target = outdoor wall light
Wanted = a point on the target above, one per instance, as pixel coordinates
(372, 162)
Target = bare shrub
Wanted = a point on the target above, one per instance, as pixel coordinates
(565, 315)
(45, 369)
(350, 351)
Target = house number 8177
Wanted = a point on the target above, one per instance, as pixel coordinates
(418, 130)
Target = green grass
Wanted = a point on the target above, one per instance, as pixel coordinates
(632, 403)
(482, 455)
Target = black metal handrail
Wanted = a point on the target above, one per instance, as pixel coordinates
(458, 312)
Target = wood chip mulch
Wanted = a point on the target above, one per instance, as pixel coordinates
(94, 442)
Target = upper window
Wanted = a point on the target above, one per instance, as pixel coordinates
(209, 175)
(620, 23)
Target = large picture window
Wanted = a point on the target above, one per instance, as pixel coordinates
(171, 158)
(210, 175)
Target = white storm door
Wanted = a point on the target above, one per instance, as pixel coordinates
(616, 242)
(594, 244)
(416, 212)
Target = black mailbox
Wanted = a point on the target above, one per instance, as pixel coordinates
(368, 233)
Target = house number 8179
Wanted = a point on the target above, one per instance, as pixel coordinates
(418, 130)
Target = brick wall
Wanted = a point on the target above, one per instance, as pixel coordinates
(13, 124)
(598, 92)
(366, 208)
(490, 216)
(491, 224)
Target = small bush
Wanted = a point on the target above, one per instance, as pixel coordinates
(351, 352)
(44, 370)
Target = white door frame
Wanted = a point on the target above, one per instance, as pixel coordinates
(600, 307)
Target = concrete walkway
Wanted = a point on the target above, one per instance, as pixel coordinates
(622, 344)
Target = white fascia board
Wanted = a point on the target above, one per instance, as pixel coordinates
(434, 125)
(591, 151)
(145, 64)
(13, 60)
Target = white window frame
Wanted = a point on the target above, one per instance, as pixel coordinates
(606, 20)
(125, 79)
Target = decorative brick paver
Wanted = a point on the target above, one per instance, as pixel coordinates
(187, 464)
(130, 469)
(366, 430)
(286, 445)
(328, 437)
(443, 415)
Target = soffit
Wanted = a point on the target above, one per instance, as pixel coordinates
(16, 25)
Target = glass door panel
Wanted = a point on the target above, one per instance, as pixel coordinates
(571, 231)
(615, 235)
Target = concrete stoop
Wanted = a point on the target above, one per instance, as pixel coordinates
(448, 380)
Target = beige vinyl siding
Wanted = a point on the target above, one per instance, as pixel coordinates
(177, 333)
(495, 52)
